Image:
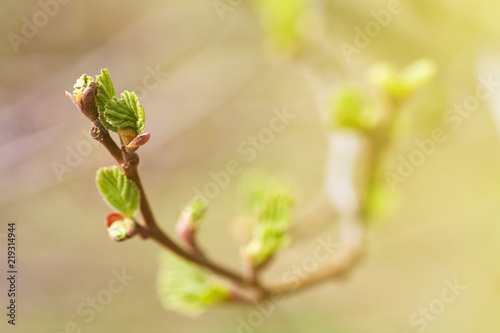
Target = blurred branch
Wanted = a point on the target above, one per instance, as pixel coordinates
(344, 152)
(346, 149)
(344, 260)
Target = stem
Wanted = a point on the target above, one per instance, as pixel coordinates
(344, 151)
(152, 230)
(352, 206)
(246, 287)
(344, 261)
(101, 134)
(129, 161)
(352, 214)
(87, 106)
(379, 141)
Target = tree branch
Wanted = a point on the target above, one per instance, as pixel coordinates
(344, 261)
(247, 287)
(129, 161)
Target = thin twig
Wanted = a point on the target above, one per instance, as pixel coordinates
(247, 289)
(129, 161)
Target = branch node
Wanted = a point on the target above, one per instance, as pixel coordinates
(97, 131)
(130, 160)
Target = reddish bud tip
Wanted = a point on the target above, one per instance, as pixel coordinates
(139, 140)
(113, 217)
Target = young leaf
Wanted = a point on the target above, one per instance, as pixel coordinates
(194, 211)
(105, 92)
(189, 221)
(125, 112)
(272, 203)
(186, 288)
(105, 89)
(118, 191)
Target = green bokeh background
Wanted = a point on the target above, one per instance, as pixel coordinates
(221, 86)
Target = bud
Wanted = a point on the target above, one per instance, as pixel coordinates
(81, 84)
(119, 227)
(127, 135)
(89, 108)
(84, 97)
(139, 140)
(189, 221)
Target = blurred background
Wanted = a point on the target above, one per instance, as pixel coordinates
(208, 79)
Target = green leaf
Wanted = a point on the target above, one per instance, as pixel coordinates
(123, 115)
(271, 202)
(118, 191)
(105, 92)
(418, 73)
(125, 112)
(186, 288)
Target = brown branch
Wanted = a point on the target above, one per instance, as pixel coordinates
(247, 288)
(151, 229)
(148, 227)
(129, 161)
(87, 106)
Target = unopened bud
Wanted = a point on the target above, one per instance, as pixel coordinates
(127, 135)
(119, 227)
(84, 97)
(139, 140)
(189, 220)
(81, 84)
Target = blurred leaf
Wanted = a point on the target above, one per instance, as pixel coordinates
(401, 85)
(118, 191)
(189, 221)
(349, 109)
(281, 21)
(105, 92)
(124, 113)
(381, 201)
(194, 211)
(418, 73)
(385, 77)
(186, 288)
(271, 202)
